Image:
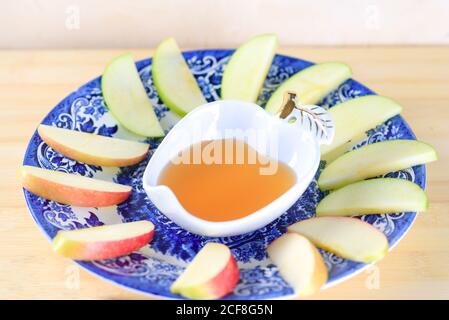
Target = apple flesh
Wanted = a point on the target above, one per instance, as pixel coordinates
(174, 82)
(311, 84)
(374, 160)
(103, 242)
(299, 263)
(248, 67)
(346, 237)
(72, 189)
(212, 274)
(375, 196)
(93, 149)
(356, 116)
(348, 146)
(126, 98)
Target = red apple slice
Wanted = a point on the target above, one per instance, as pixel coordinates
(299, 263)
(104, 242)
(349, 238)
(212, 274)
(92, 148)
(72, 189)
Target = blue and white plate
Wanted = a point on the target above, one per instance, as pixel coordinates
(152, 269)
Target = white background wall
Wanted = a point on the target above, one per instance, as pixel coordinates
(219, 23)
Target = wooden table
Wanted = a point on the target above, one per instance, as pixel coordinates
(32, 82)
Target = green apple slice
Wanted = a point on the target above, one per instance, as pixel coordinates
(311, 84)
(348, 146)
(373, 160)
(125, 96)
(245, 73)
(346, 237)
(174, 82)
(358, 115)
(375, 196)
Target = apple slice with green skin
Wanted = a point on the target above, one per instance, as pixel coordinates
(348, 146)
(356, 116)
(212, 274)
(374, 160)
(311, 84)
(374, 196)
(93, 149)
(71, 189)
(125, 96)
(103, 242)
(346, 237)
(248, 67)
(299, 263)
(174, 82)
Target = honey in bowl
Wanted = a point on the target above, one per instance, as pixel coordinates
(225, 179)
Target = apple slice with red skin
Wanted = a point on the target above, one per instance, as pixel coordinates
(103, 242)
(72, 189)
(299, 263)
(212, 274)
(92, 148)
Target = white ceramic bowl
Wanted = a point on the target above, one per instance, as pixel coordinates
(298, 147)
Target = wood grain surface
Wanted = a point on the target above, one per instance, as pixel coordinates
(32, 82)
